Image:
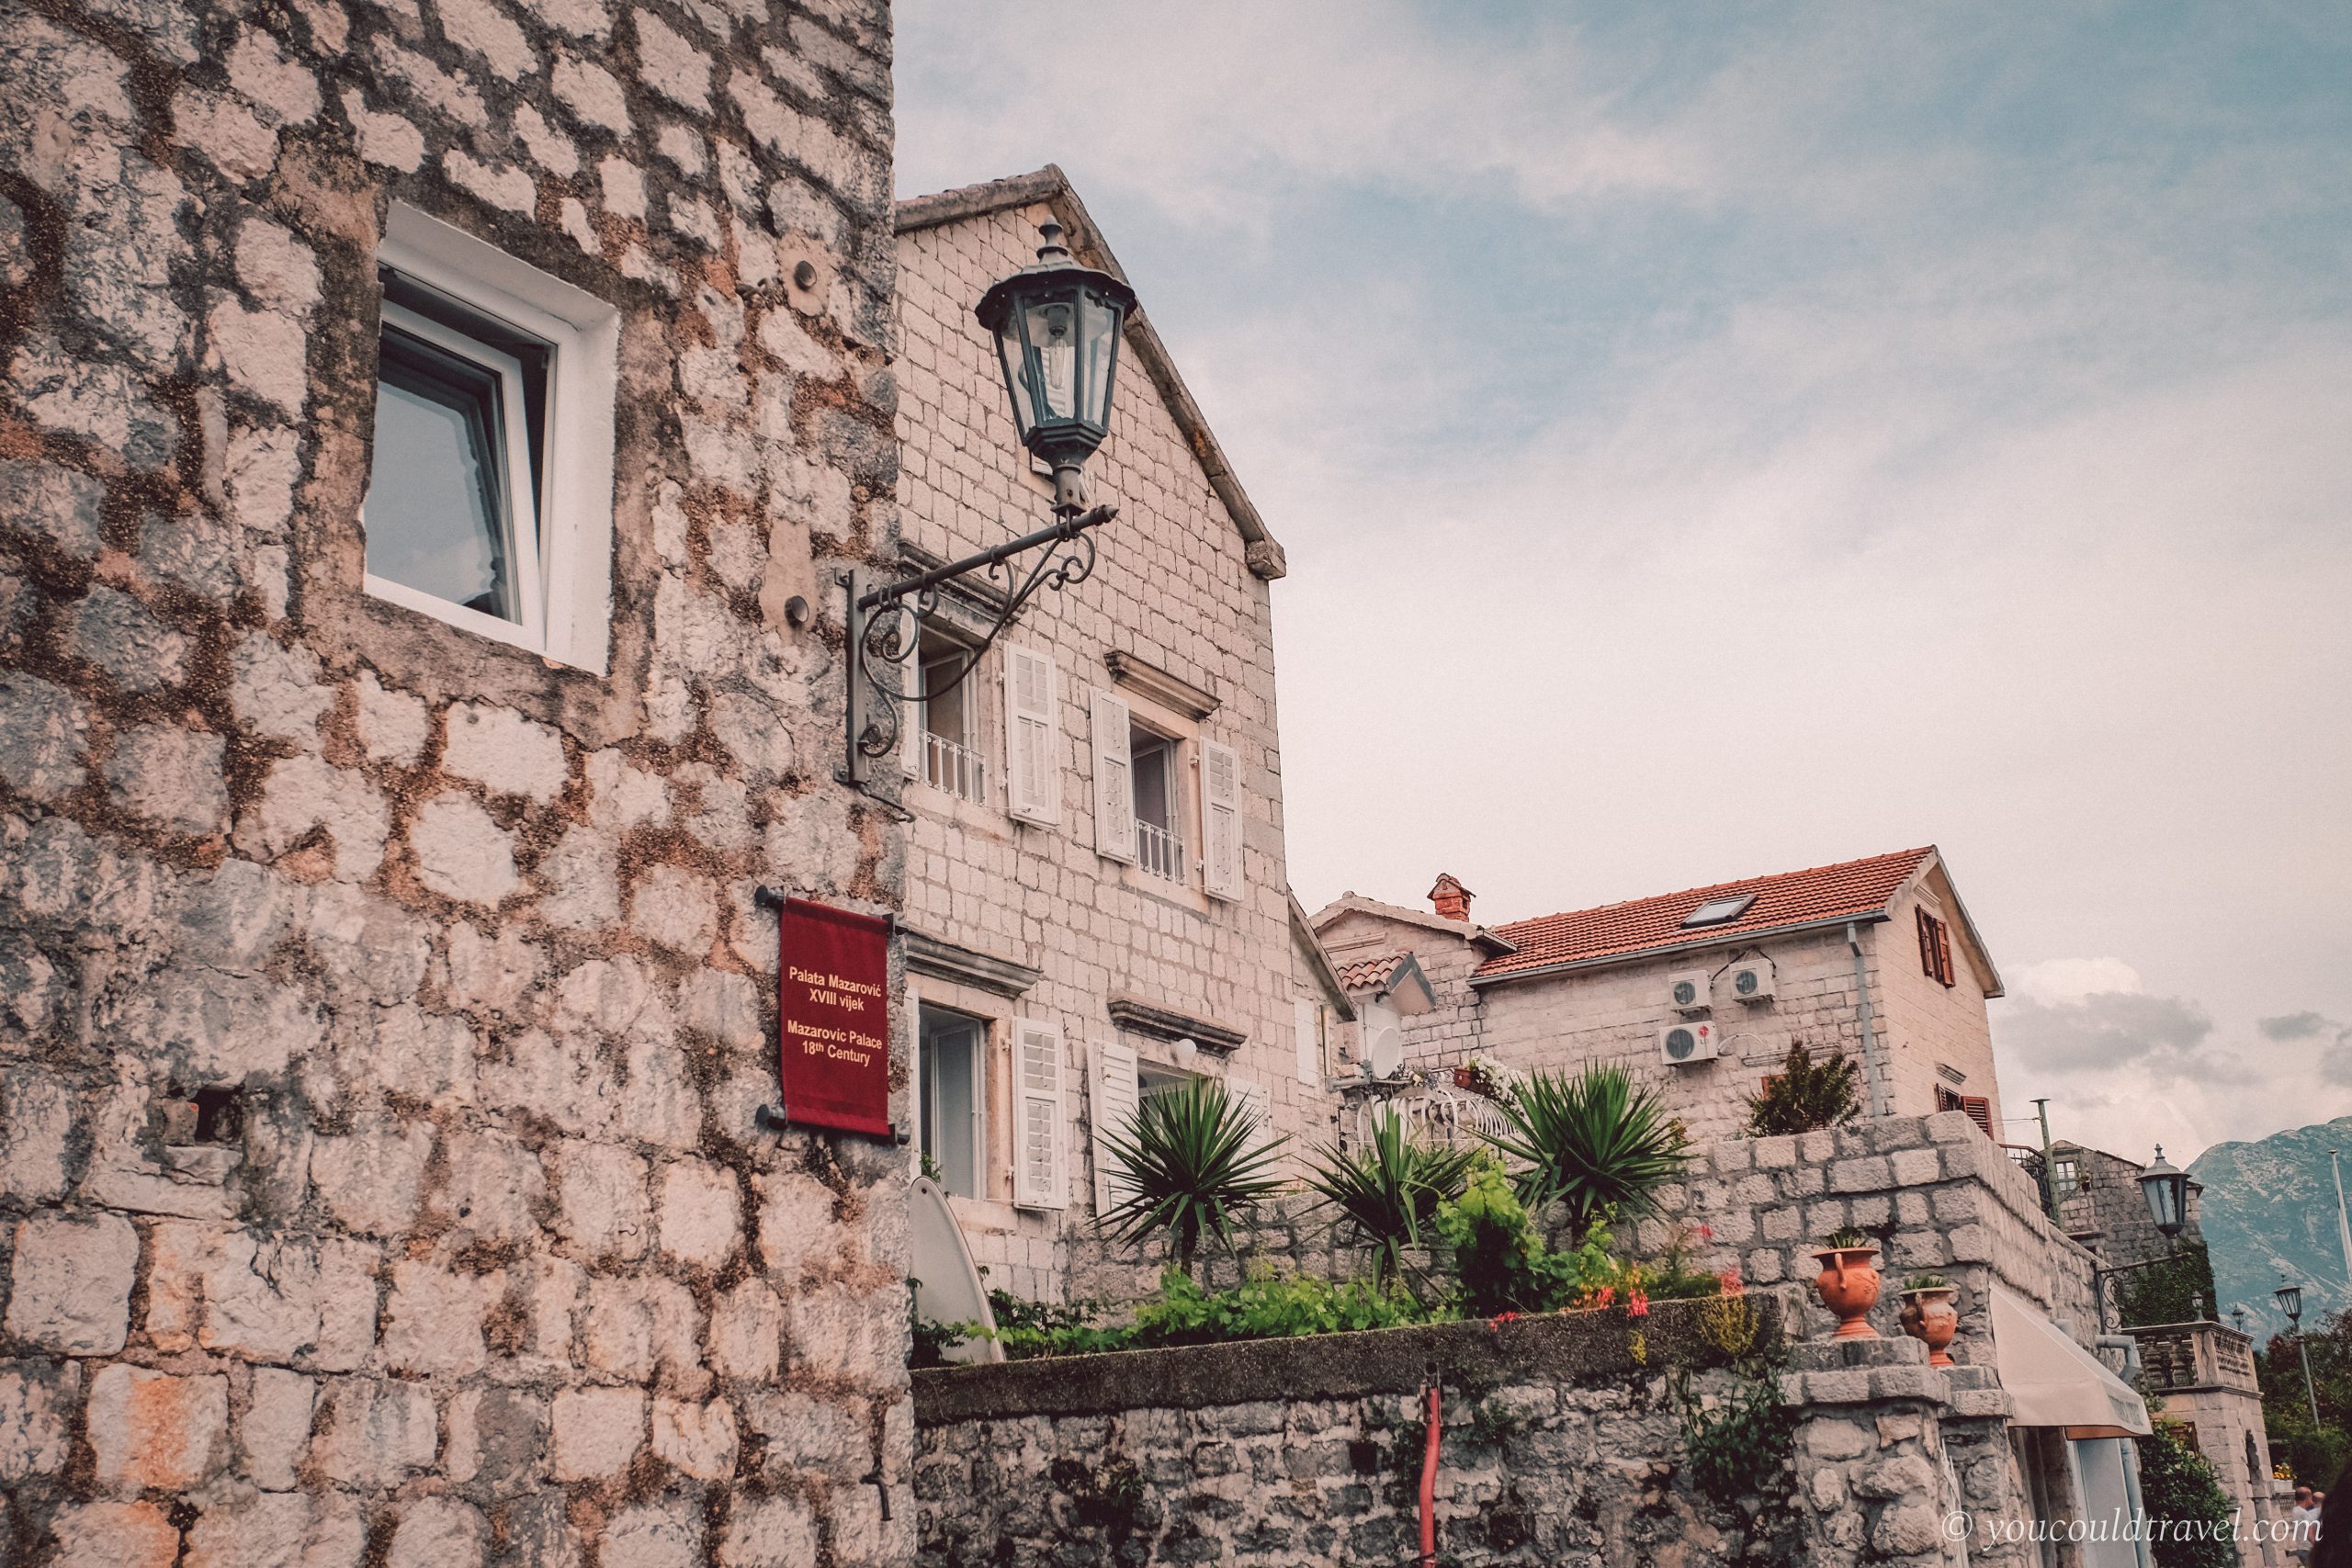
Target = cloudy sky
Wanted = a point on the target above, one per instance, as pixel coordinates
(1712, 441)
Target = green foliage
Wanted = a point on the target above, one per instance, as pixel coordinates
(1803, 1098)
(1499, 1253)
(2178, 1289)
(1388, 1191)
(1590, 1141)
(1271, 1306)
(1846, 1238)
(1926, 1282)
(2317, 1453)
(930, 1341)
(1027, 1329)
(2178, 1489)
(1189, 1161)
(1742, 1448)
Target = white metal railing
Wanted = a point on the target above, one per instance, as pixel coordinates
(956, 769)
(1432, 1113)
(1160, 851)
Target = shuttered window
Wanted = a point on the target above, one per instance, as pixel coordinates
(1031, 737)
(1113, 1097)
(1935, 947)
(1220, 820)
(1306, 1027)
(1115, 788)
(1039, 1116)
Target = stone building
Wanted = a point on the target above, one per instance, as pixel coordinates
(2202, 1375)
(2099, 1203)
(1701, 994)
(384, 1004)
(1096, 899)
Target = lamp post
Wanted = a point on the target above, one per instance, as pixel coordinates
(1057, 326)
(2164, 1187)
(2290, 1301)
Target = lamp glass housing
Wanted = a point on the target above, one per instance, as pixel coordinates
(1057, 327)
(2290, 1300)
(2167, 1190)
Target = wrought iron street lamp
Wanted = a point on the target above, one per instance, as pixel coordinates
(2290, 1301)
(2166, 1190)
(1057, 326)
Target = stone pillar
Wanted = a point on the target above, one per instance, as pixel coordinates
(1869, 1451)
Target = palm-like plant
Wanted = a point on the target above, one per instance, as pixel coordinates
(1590, 1141)
(1388, 1190)
(1190, 1160)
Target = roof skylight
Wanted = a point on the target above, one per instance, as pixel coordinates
(1716, 911)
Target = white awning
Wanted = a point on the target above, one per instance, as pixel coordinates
(2054, 1382)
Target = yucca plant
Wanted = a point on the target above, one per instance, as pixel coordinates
(1803, 1097)
(1388, 1191)
(1590, 1141)
(1190, 1160)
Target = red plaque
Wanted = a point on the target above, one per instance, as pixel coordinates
(834, 973)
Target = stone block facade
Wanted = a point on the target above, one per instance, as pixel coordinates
(386, 1006)
(1031, 923)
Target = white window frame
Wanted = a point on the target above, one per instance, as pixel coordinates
(567, 589)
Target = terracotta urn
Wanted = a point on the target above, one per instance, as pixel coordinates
(1931, 1315)
(1848, 1285)
(1465, 1077)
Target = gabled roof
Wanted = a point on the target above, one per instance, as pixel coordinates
(1355, 903)
(1335, 988)
(1370, 974)
(1396, 978)
(1052, 187)
(1824, 895)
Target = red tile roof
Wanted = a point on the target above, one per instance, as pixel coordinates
(1844, 891)
(1366, 974)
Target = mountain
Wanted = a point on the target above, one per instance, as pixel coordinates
(2270, 1208)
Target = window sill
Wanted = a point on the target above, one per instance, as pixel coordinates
(984, 1216)
(972, 815)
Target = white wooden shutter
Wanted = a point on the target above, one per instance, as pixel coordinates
(1039, 1116)
(1033, 777)
(1220, 820)
(910, 714)
(1114, 780)
(1258, 1099)
(1113, 1097)
(1307, 1024)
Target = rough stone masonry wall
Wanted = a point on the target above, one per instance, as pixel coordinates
(1561, 1446)
(382, 1011)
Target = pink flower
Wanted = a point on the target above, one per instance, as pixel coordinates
(1637, 1303)
(1706, 1233)
(1733, 1284)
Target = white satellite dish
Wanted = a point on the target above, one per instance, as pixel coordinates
(947, 1287)
(1384, 1050)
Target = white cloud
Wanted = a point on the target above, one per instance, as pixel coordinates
(2057, 980)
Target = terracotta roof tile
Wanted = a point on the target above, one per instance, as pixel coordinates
(1367, 974)
(1846, 890)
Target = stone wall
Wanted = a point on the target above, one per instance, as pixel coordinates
(1561, 1445)
(385, 1008)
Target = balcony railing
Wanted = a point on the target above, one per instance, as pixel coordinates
(956, 769)
(1160, 851)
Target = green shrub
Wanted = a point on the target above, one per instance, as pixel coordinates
(1803, 1098)
(1388, 1191)
(1270, 1306)
(2177, 1487)
(1189, 1161)
(1500, 1258)
(1590, 1141)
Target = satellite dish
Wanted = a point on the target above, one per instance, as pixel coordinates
(947, 1287)
(1384, 1050)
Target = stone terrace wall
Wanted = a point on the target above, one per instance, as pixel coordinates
(382, 1011)
(1560, 1448)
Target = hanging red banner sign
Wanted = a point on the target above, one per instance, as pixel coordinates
(833, 971)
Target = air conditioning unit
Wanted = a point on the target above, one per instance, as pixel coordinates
(1691, 990)
(1751, 979)
(1693, 1040)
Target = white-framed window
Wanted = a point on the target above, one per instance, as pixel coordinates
(490, 498)
(1159, 802)
(945, 728)
(951, 1060)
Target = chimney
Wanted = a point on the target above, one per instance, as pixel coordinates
(1449, 898)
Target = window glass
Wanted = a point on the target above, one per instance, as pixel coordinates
(437, 509)
(1155, 781)
(947, 716)
(950, 1047)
